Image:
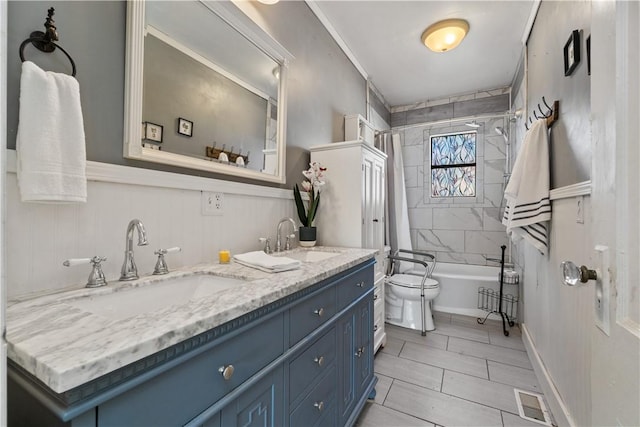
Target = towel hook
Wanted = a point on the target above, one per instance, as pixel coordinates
(45, 41)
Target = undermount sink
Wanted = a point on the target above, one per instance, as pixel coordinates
(154, 296)
(312, 256)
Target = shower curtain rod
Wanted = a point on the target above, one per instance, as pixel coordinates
(460, 119)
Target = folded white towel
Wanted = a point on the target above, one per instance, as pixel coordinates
(265, 262)
(528, 207)
(50, 145)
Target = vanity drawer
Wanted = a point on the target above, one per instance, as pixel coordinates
(320, 401)
(353, 286)
(309, 314)
(179, 394)
(312, 363)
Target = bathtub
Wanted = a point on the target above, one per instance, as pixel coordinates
(459, 285)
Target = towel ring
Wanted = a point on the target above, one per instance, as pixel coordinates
(45, 42)
(53, 45)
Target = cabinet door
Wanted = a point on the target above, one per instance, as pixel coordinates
(346, 329)
(363, 346)
(368, 163)
(260, 406)
(378, 191)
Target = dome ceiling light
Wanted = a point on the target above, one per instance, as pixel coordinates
(445, 35)
(269, 1)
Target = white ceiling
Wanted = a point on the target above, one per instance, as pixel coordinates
(384, 38)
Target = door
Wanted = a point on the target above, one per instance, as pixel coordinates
(615, 348)
(368, 164)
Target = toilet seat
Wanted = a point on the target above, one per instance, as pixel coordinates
(412, 281)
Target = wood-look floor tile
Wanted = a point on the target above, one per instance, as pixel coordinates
(407, 370)
(431, 339)
(495, 395)
(513, 375)
(440, 408)
(393, 345)
(374, 415)
(460, 331)
(511, 420)
(514, 340)
(489, 352)
(445, 359)
(382, 388)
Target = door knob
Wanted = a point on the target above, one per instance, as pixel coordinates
(572, 274)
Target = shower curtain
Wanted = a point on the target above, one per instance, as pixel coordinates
(398, 235)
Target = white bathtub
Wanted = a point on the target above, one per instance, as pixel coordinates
(459, 285)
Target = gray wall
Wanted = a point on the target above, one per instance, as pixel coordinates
(323, 84)
(570, 148)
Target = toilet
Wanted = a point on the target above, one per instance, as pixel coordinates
(403, 301)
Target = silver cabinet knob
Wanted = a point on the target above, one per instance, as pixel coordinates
(226, 371)
(319, 312)
(360, 284)
(319, 405)
(360, 351)
(572, 274)
(319, 360)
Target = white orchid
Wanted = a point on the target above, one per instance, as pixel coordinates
(311, 186)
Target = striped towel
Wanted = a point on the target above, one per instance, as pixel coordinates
(528, 208)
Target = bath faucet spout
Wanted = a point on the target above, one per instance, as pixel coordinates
(289, 236)
(129, 270)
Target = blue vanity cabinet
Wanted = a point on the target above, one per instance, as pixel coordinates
(303, 360)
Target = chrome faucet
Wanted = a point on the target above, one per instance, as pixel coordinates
(129, 269)
(289, 236)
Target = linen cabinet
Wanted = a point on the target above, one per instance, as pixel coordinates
(352, 208)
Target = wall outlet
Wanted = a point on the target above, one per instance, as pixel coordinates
(212, 203)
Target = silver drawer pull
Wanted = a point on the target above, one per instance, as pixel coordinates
(360, 351)
(319, 312)
(226, 371)
(319, 405)
(360, 284)
(319, 360)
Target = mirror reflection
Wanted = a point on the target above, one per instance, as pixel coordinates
(209, 93)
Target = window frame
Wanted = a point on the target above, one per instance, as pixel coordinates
(454, 165)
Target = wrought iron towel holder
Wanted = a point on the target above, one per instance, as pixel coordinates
(552, 114)
(45, 42)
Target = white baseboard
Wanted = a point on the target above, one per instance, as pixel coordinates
(558, 409)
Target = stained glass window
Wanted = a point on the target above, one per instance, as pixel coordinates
(453, 165)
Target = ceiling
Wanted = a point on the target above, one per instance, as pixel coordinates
(384, 39)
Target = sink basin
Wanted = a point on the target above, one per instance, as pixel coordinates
(312, 256)
(154, 296)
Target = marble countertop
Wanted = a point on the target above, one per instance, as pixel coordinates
(65, 346)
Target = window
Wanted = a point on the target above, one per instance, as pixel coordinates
(453, 165)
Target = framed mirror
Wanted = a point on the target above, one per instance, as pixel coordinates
(205, 89)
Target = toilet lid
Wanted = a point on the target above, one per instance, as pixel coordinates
(412, 281)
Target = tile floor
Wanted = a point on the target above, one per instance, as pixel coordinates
(461, 374)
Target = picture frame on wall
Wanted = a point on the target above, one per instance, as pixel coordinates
(572, 53)
(589, 55)
(153, 132)
(185, 127)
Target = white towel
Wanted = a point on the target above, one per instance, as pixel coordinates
(50, 143)
(265, 262)
(528, 207)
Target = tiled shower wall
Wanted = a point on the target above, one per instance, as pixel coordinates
(461, 229)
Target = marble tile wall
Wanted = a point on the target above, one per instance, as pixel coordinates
(461, 229)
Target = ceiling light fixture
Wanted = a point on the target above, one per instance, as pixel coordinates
(268, 1)
(445, 35)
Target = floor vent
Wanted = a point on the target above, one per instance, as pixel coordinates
(531, 407)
